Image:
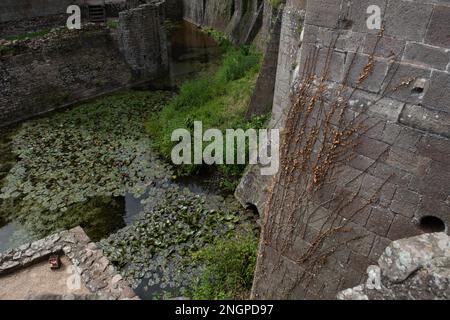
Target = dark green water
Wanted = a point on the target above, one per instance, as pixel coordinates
(100, 213)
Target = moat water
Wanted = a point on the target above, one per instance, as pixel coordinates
(26, 200)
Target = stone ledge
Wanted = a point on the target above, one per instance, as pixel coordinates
(413, 268)
(432, 121)
(97, 273)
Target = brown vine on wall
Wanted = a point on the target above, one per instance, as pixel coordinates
(320, 137)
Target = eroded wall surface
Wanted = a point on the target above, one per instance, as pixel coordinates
(143, 40)
(241, 20)
(365, 150)
(41, 75)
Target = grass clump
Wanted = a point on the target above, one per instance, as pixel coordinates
(218, 100)
(228, 267)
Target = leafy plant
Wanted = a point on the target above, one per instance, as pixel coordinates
(228, 267)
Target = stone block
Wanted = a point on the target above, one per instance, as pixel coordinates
(407, 196)
(385, 47)
(408, 139)
(426, 56)
(370, 148)
(361, 162)
(358, 14)
(380, 221)
(388, 109)
(407, 20)
(436, 182)
(358, 263)
(438, 33)
(400, 82)
(436, 148)
(407, 161)
(362, 242)
(402, 227)
(335, 64)
(433, 206)
(323, 13)
(378, 248)
(374, 128)
(355, 68)
(356, 211)
(432, 121)
(391, 132)
(438, 96)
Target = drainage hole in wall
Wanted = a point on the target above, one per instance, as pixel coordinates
(417, 90)
(430, 224)
(252, 208)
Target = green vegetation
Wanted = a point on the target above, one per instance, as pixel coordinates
(112, 24)
(228, 267)
(7, 50)
(29, 35)
(171, 26)
(72, 167)
(276, 3)
(218, 100)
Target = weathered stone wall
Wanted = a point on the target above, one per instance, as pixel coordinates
(25, 9)
(253, 188)
(415, 268)
(261, 102)
(143, 39)
(319, 238)
(22, 16)
(23, 26)
(241, 20)
(64, 67)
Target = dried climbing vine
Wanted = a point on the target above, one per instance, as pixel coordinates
(320, 136)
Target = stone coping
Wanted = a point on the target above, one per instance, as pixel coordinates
(96, 272)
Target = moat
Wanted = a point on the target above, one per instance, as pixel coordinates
(93, 165)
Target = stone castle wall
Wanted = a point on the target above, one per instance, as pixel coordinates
(394, 183)
(243, 21)
(143, 40)
(65, 67)
(11, 10)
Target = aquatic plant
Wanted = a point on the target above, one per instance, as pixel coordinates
(72, 158)
(159, 246)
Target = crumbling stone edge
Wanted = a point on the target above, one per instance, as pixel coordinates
(416, 268)
(96, 272)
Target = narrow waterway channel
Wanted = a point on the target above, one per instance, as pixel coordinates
(29, 168)
(93, 165)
